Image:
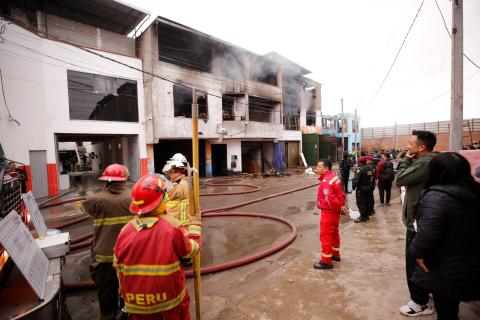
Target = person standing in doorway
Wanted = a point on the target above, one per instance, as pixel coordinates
(411, 173)
(385, 176)
(110, 210)
(331, 202)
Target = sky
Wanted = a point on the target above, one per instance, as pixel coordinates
(349, 45)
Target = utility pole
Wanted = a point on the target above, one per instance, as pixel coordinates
(355, 136)
(395, 136)
(196, 201)
(456, 107)
(343, 139)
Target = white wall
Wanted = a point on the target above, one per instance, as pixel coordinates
(234, 147)
(35, 82)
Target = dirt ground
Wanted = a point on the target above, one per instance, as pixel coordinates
(369, 282)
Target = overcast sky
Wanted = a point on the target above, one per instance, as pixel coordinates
(349, 46)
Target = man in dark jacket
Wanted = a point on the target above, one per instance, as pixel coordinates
(385, 177)
(411, 173)
(362, 184)
(345, 167)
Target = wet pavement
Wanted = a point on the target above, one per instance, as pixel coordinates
(369, 283)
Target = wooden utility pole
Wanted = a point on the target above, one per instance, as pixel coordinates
(456, 107)
(196, 201)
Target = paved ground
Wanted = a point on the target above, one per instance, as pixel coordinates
(369, 283)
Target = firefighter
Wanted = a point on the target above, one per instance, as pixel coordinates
(330, 201)
(371, 200)
(110, 211)
(362, 184)
(147, 253)
(178, 197)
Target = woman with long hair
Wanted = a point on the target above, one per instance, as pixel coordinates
(447, 243)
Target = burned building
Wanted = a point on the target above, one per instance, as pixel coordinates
(251, 107)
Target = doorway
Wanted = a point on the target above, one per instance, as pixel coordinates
(219, 159)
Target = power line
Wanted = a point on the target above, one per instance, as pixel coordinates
(10, 117)
(450, 35)
(396, 57)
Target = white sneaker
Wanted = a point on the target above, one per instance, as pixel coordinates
(413, 309)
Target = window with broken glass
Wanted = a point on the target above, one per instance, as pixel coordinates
(260, 110)
(182, 102)
(98, 97)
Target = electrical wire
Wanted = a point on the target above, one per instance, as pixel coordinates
(396, 57)
(450, 35)
(10, 117)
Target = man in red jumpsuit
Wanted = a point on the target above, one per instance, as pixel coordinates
(330, 201)
(147, 252)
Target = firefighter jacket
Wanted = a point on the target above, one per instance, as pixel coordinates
(330, 195)
(110, 212)
(147, 262)
(364, 179)
(177, 200)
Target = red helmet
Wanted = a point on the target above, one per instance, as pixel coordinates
(362, 159)
(115, 172)
(147, 194)
(369, 158)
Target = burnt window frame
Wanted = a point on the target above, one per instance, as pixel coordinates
(116, 102)
(182, 102)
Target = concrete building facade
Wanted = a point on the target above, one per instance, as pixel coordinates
(241, 97)
(70, 77)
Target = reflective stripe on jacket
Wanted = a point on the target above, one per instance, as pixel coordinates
(330, 194)
(110, 212)
(147, 262)
(177, 201)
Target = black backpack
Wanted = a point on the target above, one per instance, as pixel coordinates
(387, 171)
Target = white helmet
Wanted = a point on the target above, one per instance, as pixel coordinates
(179, 157)
(172, 164)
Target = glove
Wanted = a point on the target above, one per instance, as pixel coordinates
(196, 219)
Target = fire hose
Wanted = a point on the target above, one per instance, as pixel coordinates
(213, 212)
(211, 183)
(86, 285)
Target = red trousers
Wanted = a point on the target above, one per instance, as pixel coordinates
(329, 236)
(180, 312)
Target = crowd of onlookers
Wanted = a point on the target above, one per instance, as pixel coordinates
(441, 214)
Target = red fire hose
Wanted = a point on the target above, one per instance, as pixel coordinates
(85, 285)
(211, 183)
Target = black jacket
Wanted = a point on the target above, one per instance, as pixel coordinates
(448, 238)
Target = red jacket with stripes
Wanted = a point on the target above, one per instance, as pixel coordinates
(330, 195)
(146, 257)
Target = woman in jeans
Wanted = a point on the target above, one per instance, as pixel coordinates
(447, 243)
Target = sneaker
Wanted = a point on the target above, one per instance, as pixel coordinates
(336, 259)
(322, 266)
(413, 309)
(360, 220)
(388, 205)
(381, 205)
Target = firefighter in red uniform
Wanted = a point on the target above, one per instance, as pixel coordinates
(147, 252)
(331, 201)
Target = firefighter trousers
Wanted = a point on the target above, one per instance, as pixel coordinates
(180, 312)
(329, 236)
(105, 278)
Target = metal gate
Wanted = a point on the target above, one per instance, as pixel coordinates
(38, 166)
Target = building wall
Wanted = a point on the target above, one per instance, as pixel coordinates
(385, 137)
(35, 83)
